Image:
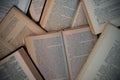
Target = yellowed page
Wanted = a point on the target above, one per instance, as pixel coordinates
(103, 62)
(58, 14)
(47, 51)
(36, 8)
(78, 44)
(101, 11)
(15, 27)
(14, 67)
(80, 17)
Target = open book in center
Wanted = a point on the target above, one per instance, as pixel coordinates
(60, 55)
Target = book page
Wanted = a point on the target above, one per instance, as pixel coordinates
(80, 17)
(110, 69)
(78, 44)
(47, 51)
(5, 48)
(13, 67)
(104, 61)
(5, 6)
(36, 8)
(14, 28)
(101, 11)
(111, 8)
(59, 15)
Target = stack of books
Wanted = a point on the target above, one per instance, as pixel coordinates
(59, 40)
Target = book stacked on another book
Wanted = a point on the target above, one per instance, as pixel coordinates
(59, 40)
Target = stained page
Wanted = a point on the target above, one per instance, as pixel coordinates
(78, 44)
(47, 51)
(104, 60)
(5, 6)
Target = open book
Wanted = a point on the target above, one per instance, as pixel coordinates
(103, 62)
(59, 14)
(5, 6)
(60, 55)
(101, 11)
(18, 66)
(15, 26)
(36, 8)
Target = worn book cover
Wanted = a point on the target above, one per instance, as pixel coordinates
(15, 26)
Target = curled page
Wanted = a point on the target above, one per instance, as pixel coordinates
(80, 17)
(36, 8)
